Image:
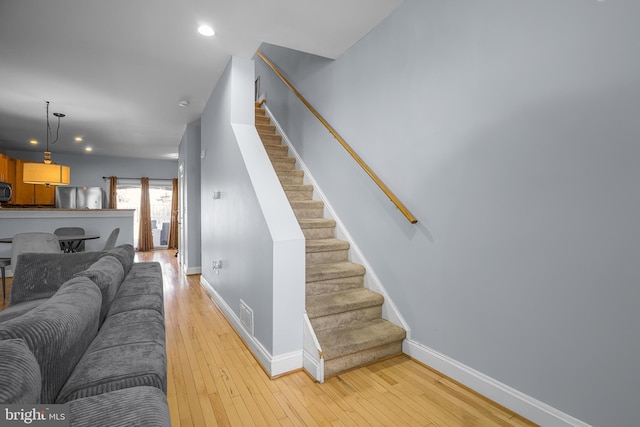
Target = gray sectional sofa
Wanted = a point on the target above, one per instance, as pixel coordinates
(87, 330)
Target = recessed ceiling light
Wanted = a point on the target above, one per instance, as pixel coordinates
(33, 142)
(88, 149)
(184, 103)
(206, 30)
(78, 139)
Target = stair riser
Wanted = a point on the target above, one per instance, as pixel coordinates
(327, 257)
(271, 139)
(265, 128)
(334, 285)
(299, 194)
(319, 233)
(263, 120)
(260, 112)
(283, 164)
(347, 318)
(305, 213)
(290, 179)
(336, 366)
(277, 151)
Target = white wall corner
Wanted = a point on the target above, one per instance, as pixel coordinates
(193, 270)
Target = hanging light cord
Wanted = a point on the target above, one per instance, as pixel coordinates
(59, 116)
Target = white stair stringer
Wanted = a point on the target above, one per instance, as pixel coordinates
(312, 361)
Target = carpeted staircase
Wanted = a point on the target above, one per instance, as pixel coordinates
(346, 317)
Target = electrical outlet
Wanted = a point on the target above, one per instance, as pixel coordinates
(216, 265)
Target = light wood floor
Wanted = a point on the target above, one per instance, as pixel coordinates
(214, 380)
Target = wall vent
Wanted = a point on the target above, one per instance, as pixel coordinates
(246, 317)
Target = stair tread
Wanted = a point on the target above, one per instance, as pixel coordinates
(333, 271)
(360, 337)
(340, 302)
(316, 223)
(294, 187)
(284, 159)
(323, 245)
(307, 203)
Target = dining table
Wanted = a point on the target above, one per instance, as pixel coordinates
(69, 244)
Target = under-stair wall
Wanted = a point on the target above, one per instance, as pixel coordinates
(252, 247)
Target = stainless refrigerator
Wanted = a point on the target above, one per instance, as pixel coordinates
(80, 197)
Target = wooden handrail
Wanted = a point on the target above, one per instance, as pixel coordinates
(344, 144)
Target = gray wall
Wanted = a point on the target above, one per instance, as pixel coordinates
(510, 131)
(189, 152)
(88, 170)
(233, 229)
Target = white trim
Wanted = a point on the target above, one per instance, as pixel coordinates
(389, 311)
(527, 406)
(10, 213)
(274, 366)
(193, 270)
(313, 362)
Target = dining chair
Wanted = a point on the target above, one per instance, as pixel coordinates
(33, 242)
(71, 231)
(4, 262)
(111, 240)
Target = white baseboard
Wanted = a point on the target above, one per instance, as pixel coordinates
(527, 406)
(274, 366)
(193, 270)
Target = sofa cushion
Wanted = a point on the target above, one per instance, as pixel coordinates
(107, 273)
(20, 380)
(128, 351)
(141, 289)
(40, 275)
(138, 406)
(58, 331)
(20, 309)
(125, 254)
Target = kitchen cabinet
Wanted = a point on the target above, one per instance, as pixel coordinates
(11, 175)
(4, 168)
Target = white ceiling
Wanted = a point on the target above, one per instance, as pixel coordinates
(118, 68)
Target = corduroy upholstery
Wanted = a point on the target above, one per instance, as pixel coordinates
(40, 275)
(128, 352)
(140, 406)
(20, 309)
(142, 289)
(111, 373)
(107, 273)
(58, 331)
(124, 254)
(20, 380)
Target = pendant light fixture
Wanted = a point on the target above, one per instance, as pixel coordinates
(47, 173)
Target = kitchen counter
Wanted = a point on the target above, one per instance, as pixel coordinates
(50, 212)
(47, 219)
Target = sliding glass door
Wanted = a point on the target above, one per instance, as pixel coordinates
(160, 196)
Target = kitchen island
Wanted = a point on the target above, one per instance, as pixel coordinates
(94, 221)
